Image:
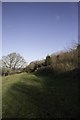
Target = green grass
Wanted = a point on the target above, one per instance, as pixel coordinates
(0, 97)
(35, 96)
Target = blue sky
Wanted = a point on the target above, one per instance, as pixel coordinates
(37, 29)
(0, 29)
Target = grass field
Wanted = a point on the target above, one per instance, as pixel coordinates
(37, 96)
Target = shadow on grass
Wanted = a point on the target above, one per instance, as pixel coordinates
(57, 98)
(46, 103)
(66, 87)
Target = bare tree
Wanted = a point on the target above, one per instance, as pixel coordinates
(13, 61)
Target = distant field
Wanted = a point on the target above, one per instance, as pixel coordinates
(35, 96)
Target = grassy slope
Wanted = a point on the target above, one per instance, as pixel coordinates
(33, 96)
(0, 97)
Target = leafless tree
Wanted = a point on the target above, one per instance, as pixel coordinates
(13, 61)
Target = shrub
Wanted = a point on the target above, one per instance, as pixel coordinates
(65, 61)
(48, 60)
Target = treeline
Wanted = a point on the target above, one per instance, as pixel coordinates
(55, 63)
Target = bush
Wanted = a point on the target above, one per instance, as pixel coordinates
(34, 66)
(66, 61)
(48, 70)
(48, 60)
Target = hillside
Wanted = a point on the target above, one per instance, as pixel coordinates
(28, 95)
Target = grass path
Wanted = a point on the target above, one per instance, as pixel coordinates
(32, 96)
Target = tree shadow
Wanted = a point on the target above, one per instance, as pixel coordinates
(66, 88)
(57, 97)
(45, 102)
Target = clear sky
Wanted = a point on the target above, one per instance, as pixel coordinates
(0, 29)
(37, 29)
